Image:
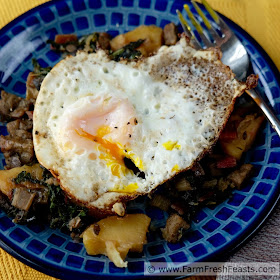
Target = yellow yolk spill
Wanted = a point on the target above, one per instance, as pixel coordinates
(136, 160)
(170, 145)
(112, 153)
(113, 148)
(103, 130)
(175, 168)
(130, 188)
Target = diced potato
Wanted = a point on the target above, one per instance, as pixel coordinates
(248, 129)
(6, 177)
(246, 134)
(234, 148)
(174, 228)
(115, 236)
(152, 35)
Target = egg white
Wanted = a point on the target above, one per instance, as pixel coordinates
(174, 103)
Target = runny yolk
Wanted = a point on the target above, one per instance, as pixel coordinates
(114, 150)
(114, 156)
(112, 153)
(109, 123)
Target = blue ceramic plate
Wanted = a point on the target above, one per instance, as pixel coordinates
(215, 231)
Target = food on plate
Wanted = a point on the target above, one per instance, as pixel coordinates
(8, 184)
(115, 236)
(152, 36)
(34, 80)
(205, 184)
(31, 194)
(174, 228)
(115, 120)
(112, 131)
(170, 34)
(17, 147)
(69, 43)
(240, 133)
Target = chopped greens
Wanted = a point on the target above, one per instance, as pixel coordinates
(39, 73)
(128, 51)
(38, 69)
(191, 201)
(26, 176)
(90, 43)
(60, 209)
(86, 42)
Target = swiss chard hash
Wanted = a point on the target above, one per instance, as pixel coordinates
(112, 121)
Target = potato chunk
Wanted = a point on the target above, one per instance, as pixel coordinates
(246, 133)
(6, 178)
(152, 35)
(115, 236)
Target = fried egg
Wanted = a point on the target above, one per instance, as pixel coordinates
(110, 131)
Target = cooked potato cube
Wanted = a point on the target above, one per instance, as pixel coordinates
(6, 178)
(234, 148)
(246, 133)
(115, 236)
(152, 35)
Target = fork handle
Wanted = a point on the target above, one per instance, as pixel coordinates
(274, 121)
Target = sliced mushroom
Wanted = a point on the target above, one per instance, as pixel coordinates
(22, 199)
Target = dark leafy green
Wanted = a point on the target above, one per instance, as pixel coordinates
(27, 177)
(60, 209)
(91, 40)
(38, 69)
(39, 72)
(71, 47)
(128, 51)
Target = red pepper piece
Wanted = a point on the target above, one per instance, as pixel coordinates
(229, 132)
(65, 38)
(226, 162)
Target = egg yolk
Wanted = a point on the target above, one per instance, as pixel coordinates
(130, 188)
(175, 168)
(111, 152)
(104, 125)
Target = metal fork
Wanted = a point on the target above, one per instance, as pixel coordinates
(234, 53)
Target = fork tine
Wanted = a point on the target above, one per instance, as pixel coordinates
(202, 15)
(222, 25)
(211, 30)
(212, 13)
(198, 27)
(188, 30)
